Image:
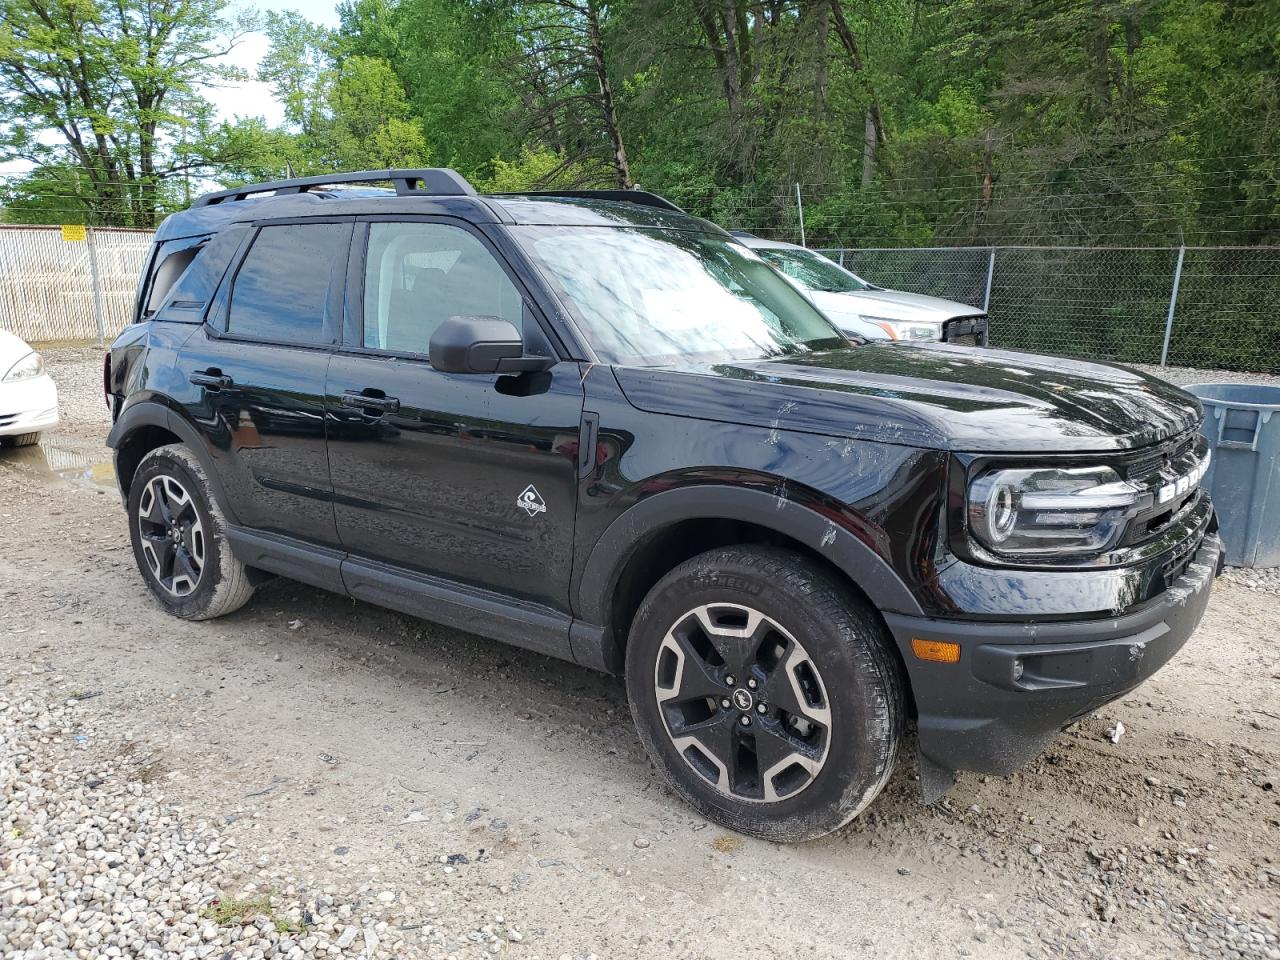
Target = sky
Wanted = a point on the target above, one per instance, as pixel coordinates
(250, 98)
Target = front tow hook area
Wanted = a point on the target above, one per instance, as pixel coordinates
(1004, 698)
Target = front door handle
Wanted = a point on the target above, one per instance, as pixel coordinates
(211, 379)
(367, 400)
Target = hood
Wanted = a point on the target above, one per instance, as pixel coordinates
(837, 308)
(932, 395)
(892, 305)
(12, 349)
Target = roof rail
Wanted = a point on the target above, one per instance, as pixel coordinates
(642, 197)
(430, 181)
(743, 233)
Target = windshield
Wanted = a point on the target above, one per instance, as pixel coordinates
(650, 296)
(813, 271)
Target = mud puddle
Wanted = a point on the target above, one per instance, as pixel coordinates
(59, 464)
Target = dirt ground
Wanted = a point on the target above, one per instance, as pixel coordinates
(348, 748)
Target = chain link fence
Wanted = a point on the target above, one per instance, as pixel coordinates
(1206, 307)
(58, 289)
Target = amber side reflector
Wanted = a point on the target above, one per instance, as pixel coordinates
(936, 650)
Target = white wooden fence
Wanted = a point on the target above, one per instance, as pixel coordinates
(47, 283)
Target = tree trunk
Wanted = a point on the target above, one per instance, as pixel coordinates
(870, 139)
(596, 42)
(742, 33)
(822, 13)
(732, 67)
(988, 188)
(873, 132)
(147, 205)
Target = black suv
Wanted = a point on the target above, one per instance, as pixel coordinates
(594, 426)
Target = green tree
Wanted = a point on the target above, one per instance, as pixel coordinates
(370, 124)
(562, 74)
(100, 90)
(299, 66)
(342, 112)
(449, 56)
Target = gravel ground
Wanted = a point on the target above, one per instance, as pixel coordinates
(1259, 580)
(1184, 376)
(98, 863)
(313, 777)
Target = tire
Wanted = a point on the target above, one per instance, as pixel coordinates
(24, 440)
(821, 665)
(173, 515)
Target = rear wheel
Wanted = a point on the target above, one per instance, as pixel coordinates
(179, 537)
(765, 692)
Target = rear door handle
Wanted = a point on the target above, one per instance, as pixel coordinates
(364, 401)
(211, 380)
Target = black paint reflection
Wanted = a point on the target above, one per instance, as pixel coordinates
(931, 395)
(266, 431)
(433, 486)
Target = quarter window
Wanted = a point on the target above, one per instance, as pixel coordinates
(417, 275)
(200, 278)
(282, 288)
(171, 260)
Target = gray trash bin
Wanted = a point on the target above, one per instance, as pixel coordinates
(1243, 430)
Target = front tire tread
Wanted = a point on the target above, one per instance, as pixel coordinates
(856, 647)
(231, 587)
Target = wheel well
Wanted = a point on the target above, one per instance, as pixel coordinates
(665, 549)
(137, 445)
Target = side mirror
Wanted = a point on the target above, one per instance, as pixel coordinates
(482, 345)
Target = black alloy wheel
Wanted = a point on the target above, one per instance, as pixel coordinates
(742, 702)
(172, 535)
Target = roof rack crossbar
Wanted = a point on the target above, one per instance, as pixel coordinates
(428, 181)
(642, 197)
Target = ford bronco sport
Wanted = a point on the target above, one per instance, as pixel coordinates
(593, 426)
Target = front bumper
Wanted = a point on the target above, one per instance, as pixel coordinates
(1017, 684)
(28, 406)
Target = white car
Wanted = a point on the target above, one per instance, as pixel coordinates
(862, 309)
(28, 396)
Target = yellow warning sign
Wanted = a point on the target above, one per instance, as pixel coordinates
(73, 232)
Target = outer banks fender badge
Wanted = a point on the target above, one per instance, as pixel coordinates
(530, 501)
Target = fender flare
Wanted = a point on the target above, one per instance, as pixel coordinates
(151, 413)
(616, 546)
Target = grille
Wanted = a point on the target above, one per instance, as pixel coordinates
(1159, 467)
(966, 331)
(1148, 464)
(7, 418)
(1176, 565)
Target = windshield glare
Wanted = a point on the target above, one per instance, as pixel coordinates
(654, 296)
(814, 271)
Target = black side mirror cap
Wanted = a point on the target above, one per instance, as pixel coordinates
(482, 345)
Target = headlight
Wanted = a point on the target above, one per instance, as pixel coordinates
(1051, 512)
(29, 366)
(907, 329)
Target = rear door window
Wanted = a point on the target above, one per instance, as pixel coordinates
(281, 291)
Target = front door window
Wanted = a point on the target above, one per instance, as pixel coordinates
(417, 275)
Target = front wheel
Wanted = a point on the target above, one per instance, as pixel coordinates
(765, 692)
(179, 537)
